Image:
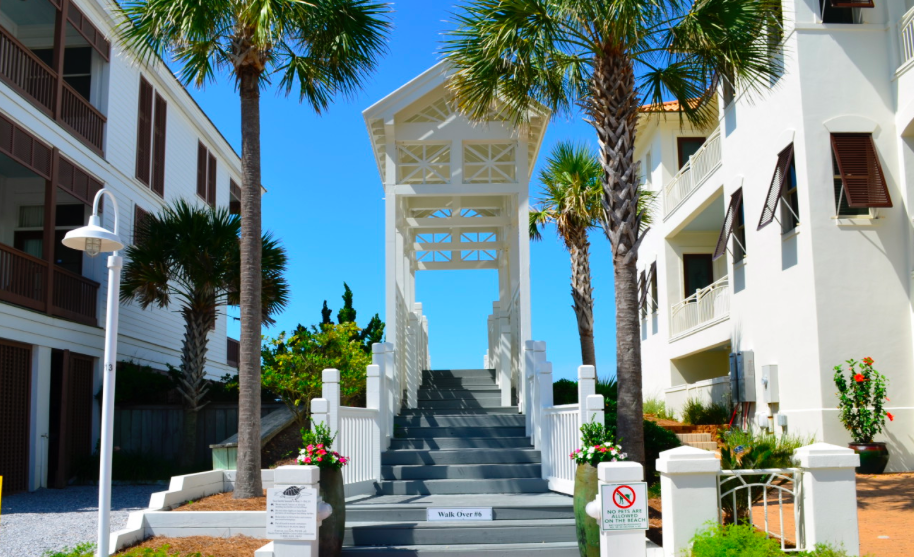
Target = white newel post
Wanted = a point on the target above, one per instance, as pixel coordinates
(688, 486)
(627, 543)
(504, 361)
(374, 389)
(587, 386)
(593, 409)
(544, 391)
(395, 381)
(412, 362)
(830, 495)
(387, 409)
(534, 413)
(529, 374)
(307, 477)
(331, 393)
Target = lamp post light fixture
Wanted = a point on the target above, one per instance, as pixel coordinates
(94, 239)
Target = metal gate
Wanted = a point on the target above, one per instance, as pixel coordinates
(15, 406)
(753, 496)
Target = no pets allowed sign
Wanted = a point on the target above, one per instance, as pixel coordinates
(624, 506)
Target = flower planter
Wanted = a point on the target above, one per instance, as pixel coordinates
(333, 527)
(587, 529)
(874, 457)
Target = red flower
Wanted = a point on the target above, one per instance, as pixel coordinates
(859, 378)
(890, 416)
(868, 361)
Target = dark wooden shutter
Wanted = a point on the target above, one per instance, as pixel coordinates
(234, 198)
(139, 215)
(25, 148)
(144, 131)
(852, 4)
(202, 157)
(653, 286)
(158, 146)
(861, 172)
(84, 27)
(211, 181)
(15, 397)
(730, 220)
(642, 292)
(776, 189)
(77, 182)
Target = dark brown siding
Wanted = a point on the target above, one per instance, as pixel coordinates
(25, 148)
(77, 182)
(138, 216)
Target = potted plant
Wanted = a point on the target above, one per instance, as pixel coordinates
(861, 395)
(317, 452)
(598, 446)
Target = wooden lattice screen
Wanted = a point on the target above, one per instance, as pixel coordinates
(15, 396)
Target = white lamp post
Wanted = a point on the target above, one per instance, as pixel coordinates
(93, 239)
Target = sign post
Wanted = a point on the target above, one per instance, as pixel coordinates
(295, 511)
(621, 509)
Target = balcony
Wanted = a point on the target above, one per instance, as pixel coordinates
(65, 96)
(906, 36)
(700, 166)
(706, 307)
(24, 282)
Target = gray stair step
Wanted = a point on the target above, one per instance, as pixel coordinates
(412, 508)
(498, 420)
(462, 404)
(447, 533)
(457, 382)
(458, 394)
(457, 373)
(406, 457)
(429, 432)
(461, 471)
(429, 487)
(461, 443)
(558, 549)
(458, 411)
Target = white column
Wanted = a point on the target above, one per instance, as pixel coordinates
(504, 361)
(307, 476)
(587, 385)
(374, 398)
(544, 391)
(331, 393)
(40, 419)
(829, 495)
(627, 543)
(688, 486)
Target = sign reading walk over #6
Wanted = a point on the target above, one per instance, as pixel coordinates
(624, 506)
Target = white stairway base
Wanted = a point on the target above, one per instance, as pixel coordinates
(565, 549)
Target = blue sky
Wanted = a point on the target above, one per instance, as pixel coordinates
(325, 204)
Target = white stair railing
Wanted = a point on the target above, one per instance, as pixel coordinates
(693, 174)
(906, 36)
(708, 305)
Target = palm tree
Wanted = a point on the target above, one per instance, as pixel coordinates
(320, 49)
(571, 198)
(606, 58)
(191, 255)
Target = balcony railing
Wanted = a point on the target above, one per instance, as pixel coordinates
(693, 174)
(32, 78)
(23, 282)
(706, 306)
(232, 352)
(906, 33)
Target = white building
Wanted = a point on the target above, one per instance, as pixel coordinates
(77, 112)
(807, 276)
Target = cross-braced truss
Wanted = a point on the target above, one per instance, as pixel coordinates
(489, 163)
(448, 236)
(423, 163)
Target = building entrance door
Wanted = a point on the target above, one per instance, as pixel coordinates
(15, 406)
(698, 270)
(72, 405)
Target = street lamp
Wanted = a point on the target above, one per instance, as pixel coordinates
(94, 239)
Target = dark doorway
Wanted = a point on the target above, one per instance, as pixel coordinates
(15, 406)
(71, 408)
(698, 271)
(688, 146)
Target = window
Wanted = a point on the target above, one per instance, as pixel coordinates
(779, 184)
(734, 225)
(139, 215)
(859, 181)
(206, 175)
(152, 115)
(687, 147)
(843, 11)
(698, 272)
(234, 198)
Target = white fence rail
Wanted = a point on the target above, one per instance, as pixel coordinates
(706, 306)
(561, 425)
(753, 495)
(906, 36)
(705, 161)
(359, 439)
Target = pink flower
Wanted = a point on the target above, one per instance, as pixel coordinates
(319, 459)
(308, 460)
(322, 452)
(320, 446)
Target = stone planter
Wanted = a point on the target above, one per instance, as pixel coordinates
(874, 457)
(587, 529)
(333, 528)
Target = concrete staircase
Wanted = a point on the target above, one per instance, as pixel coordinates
(698, 440)
(460, 448)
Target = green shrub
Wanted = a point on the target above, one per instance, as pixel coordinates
(696, 412)
(825, 550)
(656, 440)
(81, 550)
(744, 450)
(733, 540)
(564, 391)
(657, 408)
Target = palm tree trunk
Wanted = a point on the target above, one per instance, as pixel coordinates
(582, 293)
(192, 385)
(248, 483)
(613, 108)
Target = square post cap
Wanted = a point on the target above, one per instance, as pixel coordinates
(331, 375)
(595, 403)
(544, 367)
(320, 405)
(688, 460)
(614, 472)
(824, 455)
(529, 345)
(296, 474)
(374, 370)
(587, 372)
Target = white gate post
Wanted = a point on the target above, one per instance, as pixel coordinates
(593, 411)
(544, 389)
(331, 393)
(587, 386)
(688, 487)
(829, 495)
(309, 476)
(504, 362)
(627, 543)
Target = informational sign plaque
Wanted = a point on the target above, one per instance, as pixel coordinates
(454, 514)
(292, 513)
(624, 506)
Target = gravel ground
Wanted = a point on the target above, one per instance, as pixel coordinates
(51, 519)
